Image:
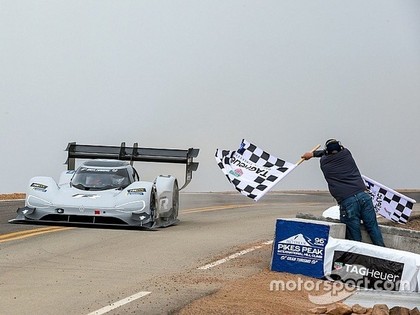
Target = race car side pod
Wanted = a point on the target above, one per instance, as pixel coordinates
(134, 153)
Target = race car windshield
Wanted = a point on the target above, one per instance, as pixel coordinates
(100, 179)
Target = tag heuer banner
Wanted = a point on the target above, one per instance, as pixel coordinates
(252, 170)
(388, 203)
(370, 266)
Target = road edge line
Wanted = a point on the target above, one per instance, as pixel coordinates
(120, 303)
(233, 256)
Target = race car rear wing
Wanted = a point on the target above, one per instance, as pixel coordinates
(134, 153)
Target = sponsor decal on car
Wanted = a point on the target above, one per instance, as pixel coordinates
(98, 170)
(93, 196)
(136, 191)
(39, 187)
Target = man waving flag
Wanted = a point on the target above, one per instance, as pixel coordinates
(252, 170)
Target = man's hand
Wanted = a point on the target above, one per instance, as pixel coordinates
(308, 155)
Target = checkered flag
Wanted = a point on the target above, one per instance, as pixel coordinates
(252, 170)
(388, 203)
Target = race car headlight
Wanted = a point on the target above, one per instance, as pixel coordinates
(132, 206)
(36, 202)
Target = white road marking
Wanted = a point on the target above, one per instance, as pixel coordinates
(233, 256)
(119, 303)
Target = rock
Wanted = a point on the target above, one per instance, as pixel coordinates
(340, 309)
(415, 311)
(358, 309)
(318, 310)
(398, 310)
(380, 309)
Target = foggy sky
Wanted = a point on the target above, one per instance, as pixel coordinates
(285, 75)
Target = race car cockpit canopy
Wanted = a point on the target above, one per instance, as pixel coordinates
(131, 154)
(101, 175)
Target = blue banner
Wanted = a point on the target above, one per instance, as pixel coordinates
(299, 247)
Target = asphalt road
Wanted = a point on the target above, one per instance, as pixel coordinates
(78, 270)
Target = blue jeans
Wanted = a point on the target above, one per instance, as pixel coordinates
(358, 208)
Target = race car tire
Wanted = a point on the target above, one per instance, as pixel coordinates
(175, 201)
(153, 205)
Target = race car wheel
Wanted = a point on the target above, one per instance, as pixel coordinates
(153, 205)
(175, 201)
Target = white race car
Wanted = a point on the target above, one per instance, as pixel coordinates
(107, 190)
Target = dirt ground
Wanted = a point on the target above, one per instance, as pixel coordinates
(12, 196)
(252, 294)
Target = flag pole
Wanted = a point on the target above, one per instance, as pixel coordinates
(302, 159)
